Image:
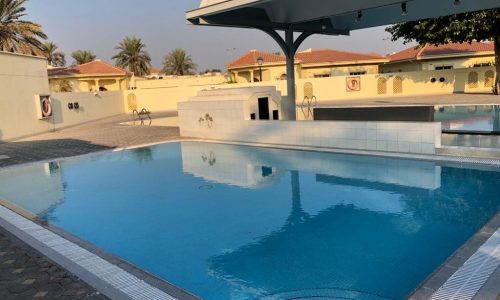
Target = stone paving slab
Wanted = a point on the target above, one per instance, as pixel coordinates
(26, 274)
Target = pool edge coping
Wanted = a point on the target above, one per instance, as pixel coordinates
(136, 275)
(469, 160)
(442, 274)
(444, 271)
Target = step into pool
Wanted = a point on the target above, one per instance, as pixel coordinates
(238, 222)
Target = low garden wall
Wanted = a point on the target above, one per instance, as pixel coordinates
(91, 107)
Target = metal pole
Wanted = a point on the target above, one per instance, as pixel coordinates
(289, 107)
(289, 47)
(260, 70)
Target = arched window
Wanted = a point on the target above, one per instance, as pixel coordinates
(132, 101)
(472, 82)
(308, 90)
(489, 79)
(397, 85)
(382, 86)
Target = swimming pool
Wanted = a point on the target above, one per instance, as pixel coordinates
(236, 222)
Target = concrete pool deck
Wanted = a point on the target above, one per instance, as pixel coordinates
(101, 135)
(109, 134)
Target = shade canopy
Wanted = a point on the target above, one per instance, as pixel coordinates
(326, 16)
(308, 17)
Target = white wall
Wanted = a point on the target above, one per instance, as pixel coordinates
(229, 124)
(21, 78)
(92, 107)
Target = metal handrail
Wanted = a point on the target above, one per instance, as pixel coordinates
(308, 103)
(140, 114)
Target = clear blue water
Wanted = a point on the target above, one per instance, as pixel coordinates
(233, 222)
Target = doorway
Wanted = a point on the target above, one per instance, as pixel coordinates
(263, 109)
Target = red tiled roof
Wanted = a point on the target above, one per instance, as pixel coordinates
(250, 59)
(334, 56)
(154, 70)
(431, 50)
(306, 57)
(96, 67)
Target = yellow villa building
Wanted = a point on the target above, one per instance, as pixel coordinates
(329, 63)
(90, 77)
(308, 64)
(443, 57)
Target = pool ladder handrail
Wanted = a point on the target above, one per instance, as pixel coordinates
(141, 114)
(308, 103)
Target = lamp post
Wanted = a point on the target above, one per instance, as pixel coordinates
(260, 61)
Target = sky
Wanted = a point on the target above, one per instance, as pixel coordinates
(99, 25)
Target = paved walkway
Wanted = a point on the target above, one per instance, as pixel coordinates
(91, 137)
(25, 273)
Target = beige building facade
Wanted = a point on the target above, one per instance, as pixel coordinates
(256, 66)
(443, 57)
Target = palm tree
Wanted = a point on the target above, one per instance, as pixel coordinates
(54, 58)
(178, 62)
(83, 56)
(133, 57)
(61, 86)
(18, 35)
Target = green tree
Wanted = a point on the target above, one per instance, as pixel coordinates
(83, 56)
(178, 62)
(133, 57)
(460, 28)
(17, 35)
(54, 58)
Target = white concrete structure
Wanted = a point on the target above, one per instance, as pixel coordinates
(253, 102)
(224, 115)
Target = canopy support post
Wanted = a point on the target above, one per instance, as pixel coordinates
(289, 47)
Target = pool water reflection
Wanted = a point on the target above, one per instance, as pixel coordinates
(478, 118)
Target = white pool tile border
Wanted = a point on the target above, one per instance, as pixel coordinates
(466, 282)
(495, 162)
(117, 282)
